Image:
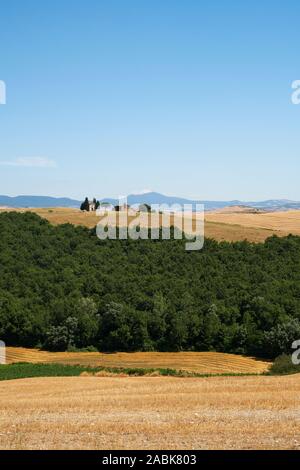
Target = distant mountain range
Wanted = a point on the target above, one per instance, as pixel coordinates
(157, 198)
(38, 201)
(147, 198)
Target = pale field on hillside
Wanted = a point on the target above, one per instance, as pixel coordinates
(287, 222)
(150, 413)
(239, 225)
(200, 362)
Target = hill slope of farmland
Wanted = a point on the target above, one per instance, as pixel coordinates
(199, 362)
(218, 227)
(285, 222)
(62, 288)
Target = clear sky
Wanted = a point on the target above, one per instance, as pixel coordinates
(188, 98)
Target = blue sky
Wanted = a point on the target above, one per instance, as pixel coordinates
(188, 98)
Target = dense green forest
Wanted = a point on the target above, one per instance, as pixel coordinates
(63, 288)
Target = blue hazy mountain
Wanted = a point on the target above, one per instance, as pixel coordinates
(157, 198)
(38, 201)
(146, 198)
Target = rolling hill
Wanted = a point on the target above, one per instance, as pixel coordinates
(146, 198)
(37, 201)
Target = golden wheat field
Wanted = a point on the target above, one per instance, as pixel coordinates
(232, 226)
(285, 222)
(199, 362)
(150, 413)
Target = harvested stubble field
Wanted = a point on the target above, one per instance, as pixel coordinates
(150, 413)
(218, 225)
(199, 362)
(283, 222)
